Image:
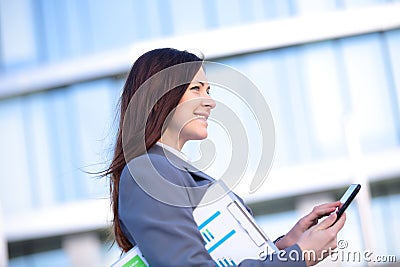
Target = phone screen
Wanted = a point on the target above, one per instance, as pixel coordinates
(347, 198)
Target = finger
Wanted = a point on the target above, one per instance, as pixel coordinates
(334, 243)
(323, 210)
(327, 207)
(330, 204)
(327, 222)
(340, 223)
(314, 222)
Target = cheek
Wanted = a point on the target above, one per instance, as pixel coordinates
(185, 112)
(182, 116)
(195, 129)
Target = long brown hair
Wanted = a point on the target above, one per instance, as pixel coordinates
(133, 118)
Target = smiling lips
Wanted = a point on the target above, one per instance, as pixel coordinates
(202, 116)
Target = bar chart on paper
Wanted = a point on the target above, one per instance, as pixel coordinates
(211, 242)
(230, 233)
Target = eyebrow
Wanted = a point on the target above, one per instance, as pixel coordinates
(202, 83)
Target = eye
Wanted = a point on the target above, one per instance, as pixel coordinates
(208, 90)
(196, 88)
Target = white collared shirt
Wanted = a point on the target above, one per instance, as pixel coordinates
(173, 151)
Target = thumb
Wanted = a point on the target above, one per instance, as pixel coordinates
(327, 222)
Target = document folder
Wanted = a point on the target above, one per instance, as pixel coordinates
(133, 258)
(230, 232)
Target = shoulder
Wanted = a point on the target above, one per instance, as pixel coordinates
(155, 177)
(157, 164)
(159, 161)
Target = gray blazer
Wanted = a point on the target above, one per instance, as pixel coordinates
(166, 234)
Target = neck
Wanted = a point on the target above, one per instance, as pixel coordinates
(172, 138)
(171, 142)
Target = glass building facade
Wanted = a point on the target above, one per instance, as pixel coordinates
(58, 111)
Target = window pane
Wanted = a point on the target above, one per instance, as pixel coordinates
(15, 184)
(187, 16)
(17, 33)
(39, 151)
(322, 90)
(112, 25)
(370, 98)
(92, 105)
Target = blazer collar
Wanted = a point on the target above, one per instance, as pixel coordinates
(180, 163)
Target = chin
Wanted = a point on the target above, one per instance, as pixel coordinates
(199, 136)
(195, 132)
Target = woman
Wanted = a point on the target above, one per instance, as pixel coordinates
(164, 104)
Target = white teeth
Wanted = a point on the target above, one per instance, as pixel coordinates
(201, 117)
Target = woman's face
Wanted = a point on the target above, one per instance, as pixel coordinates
(189, 122)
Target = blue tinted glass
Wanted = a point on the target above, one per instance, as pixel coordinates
(370, 91)
(44, 259)
(16, 192)
(363, 3)
(187, 16)
(165, 15)
(324, 102)
(210, 13)
(394, 221)
(308, 120)
(19, 262)
(66, 156)
(229, 15)
(41, 159)
(278, 8)
(304, 7)
(18, 47)
(111, 25)
(392, 39)
(386, 220)
(91, 118)
(146, 19)
(53, 37)
(270, 72)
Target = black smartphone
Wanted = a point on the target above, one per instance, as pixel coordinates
(347, 198)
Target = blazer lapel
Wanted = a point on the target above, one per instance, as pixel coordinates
(197, 175)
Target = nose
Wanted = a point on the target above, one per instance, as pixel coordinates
(208, 101)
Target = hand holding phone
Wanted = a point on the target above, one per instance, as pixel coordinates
(347, 198)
